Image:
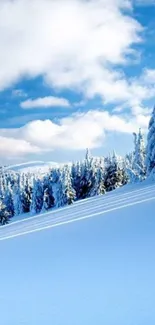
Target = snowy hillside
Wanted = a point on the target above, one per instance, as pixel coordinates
(89, 263)
(33, 166)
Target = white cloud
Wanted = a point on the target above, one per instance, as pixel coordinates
(48, 101)
(76, 132)
(148, 76)
(78, 45)
(72, 43)
(12, 147)
(143, 121)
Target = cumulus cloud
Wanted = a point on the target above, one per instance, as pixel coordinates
(13, 147)
(72, 43)
(79, 45)
(76, 132)
(47, 101)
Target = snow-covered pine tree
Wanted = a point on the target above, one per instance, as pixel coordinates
(68, 193)
(26, 192)
(8, 200)
(98, 187)
(55, 180)
(150, 156)
(63, 191)
(129, 160)
(17, 200)
(4, 215)
(87, 176)
(2, 189)
(115, 174)
(48, 198)
(37, 197)
(88, 156)
(3, 181)
(76, 178)
(139, 155)
(129, 169)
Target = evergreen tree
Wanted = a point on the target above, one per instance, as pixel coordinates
(98, 187)
(150, 158)
(8, 200)
(115, 174)
(139, 155)
(26, 193)
(17, 200)
(4, 215)
(55, 179)
(37, 197)
(76, 178)
(87, 180)
(48, 198)
(68, 193)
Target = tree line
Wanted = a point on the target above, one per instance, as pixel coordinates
(34, 193)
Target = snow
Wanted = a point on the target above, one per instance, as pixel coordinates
(89, 263)
(33, 166)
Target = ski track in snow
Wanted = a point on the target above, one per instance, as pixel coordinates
(88, 208)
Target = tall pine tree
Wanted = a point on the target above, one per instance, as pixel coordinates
(150, 157)
(139, 155)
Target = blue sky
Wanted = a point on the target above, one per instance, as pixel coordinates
(74, 74)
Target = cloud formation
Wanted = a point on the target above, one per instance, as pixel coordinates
(78, 45)
(76, 132)
(48, 101)
(72, 43)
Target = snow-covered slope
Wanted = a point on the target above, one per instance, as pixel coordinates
(33, 166)
(90, 263)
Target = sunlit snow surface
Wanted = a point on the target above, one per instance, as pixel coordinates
(33, 167)
(92, 263)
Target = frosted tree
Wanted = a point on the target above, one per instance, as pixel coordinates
(37, 197)
(98, 175)
(2, 188)
(8, 200)
(150, 157)
(55, 180)
(88, 156)
(98, 187)
(132, 174)
(63, 191)
(26, 192)
(129, 160)
(48, 198)
(3, 182)
(139, 155)
(17, 201)
(68, 193)
(4, 215)
(87, 176)
(76, 178)
(115, 174)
